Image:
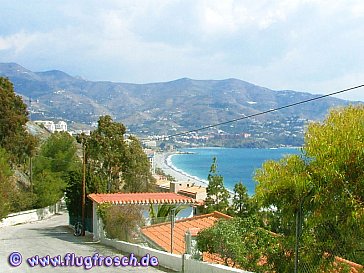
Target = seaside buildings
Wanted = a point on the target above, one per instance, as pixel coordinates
(151, 158)
(185, 188)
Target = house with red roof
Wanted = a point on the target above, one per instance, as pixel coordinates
(144, 200)
(159, 235)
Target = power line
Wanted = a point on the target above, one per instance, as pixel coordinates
(264, 112)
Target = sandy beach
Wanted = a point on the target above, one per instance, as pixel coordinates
(162, 161)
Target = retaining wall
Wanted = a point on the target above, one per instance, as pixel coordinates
(30, 215)
(178, 263)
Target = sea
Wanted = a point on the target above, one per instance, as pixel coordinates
(234, 164)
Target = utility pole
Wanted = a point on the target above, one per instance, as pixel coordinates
(31, 172)
(30, 108)
(172, 226)
(298, 235)
(83, 187)
(30, 157)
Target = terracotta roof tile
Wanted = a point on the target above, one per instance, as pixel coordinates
(160, 234)
(141, 198)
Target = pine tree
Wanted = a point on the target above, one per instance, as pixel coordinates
(241, 202)
(217, 194)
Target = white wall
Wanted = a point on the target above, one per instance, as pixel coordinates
(167, 260)
(180, 263)
(191, 265)
(30, 215)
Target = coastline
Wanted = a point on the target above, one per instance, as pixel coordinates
(163, 161)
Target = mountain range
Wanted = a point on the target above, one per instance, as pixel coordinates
(159, 108)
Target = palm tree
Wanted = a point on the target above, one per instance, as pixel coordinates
(163, 212)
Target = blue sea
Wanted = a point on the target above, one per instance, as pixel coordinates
(234, 164)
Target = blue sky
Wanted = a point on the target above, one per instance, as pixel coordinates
(313, 46)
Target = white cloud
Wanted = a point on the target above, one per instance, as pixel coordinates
(17, 42)
(287, 44)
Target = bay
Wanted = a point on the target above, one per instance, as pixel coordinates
(234, 164)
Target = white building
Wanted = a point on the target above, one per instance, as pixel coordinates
(61, 126)
(150, 143)
(49, 125)
(151, 157)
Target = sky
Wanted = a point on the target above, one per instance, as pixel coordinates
(311, 46)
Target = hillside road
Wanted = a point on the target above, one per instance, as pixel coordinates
(53, 237)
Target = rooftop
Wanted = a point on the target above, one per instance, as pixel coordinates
(193, 189)
(144, 198)
(160, 234)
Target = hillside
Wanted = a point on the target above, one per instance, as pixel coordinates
(168, 107)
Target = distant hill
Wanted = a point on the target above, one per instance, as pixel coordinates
(160, 108)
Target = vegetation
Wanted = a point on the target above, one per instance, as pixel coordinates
(73, 193)
(57, 157)
(113, 163)
(162, 213)
(118, 161)
(217, 194)
(169, 177)
(13, 116)
(16, 146)
(105, 150)
(136, 172)
(122, 222)
(319, 194)
(243, 205)
(325, 186)
(239, 242)
(5, 184)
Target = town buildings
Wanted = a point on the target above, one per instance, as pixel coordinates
(52, 127)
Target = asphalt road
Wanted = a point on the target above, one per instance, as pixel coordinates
(53, 237)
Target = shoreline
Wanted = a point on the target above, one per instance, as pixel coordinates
(163, 161)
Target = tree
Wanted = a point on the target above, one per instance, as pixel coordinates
(105, 152)
(73, 193)
(5, 184)
(284, 184)
(57, 157)
(116, 163)
(48, 187)
(240, 242)
(163, 212)
(324, 187)
(57, 154)
(217, 194)
(136, 169)
(13, 117)
(243, 205)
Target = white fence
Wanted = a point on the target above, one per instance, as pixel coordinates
(179, 263)
(30, 215)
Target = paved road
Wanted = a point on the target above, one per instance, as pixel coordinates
(53, 237)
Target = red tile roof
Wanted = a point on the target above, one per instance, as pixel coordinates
(140, 198)
(340, 264)
(160, 234)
